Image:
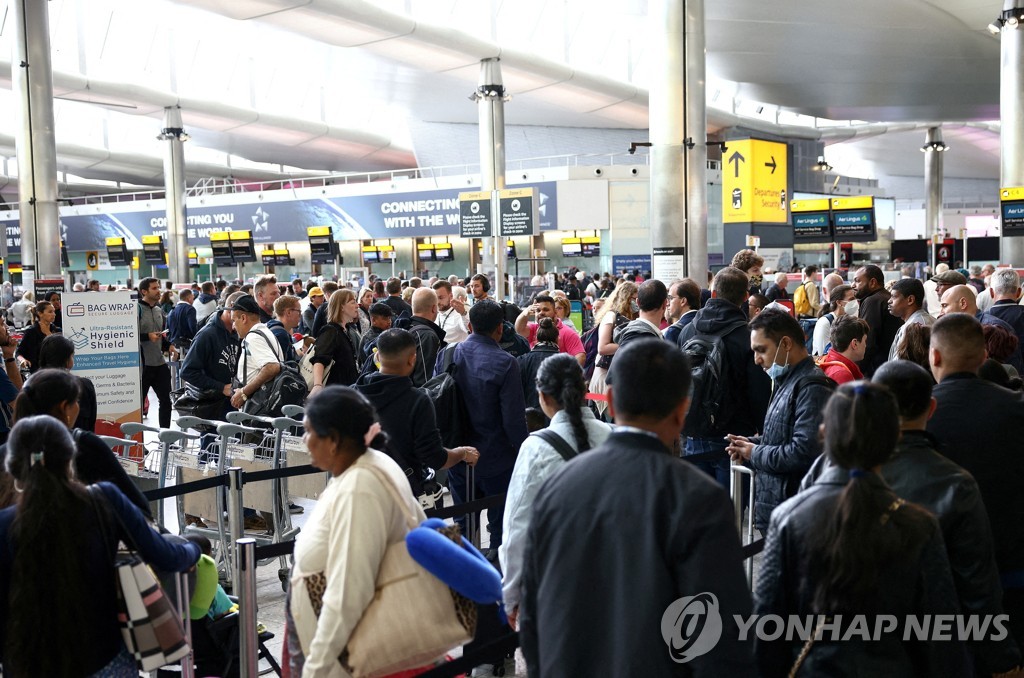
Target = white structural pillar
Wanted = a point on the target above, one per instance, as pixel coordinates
(32, 81)
(174, 136)
(697, 153)
(490, 97)
(934, 148)
(667, 130)
(1011, 117)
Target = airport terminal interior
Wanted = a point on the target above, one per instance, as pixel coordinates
(198, 140)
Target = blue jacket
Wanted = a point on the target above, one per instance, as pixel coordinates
(283, 338)
(210, 363)
(491, 386)
(181, 322)
(789, 444)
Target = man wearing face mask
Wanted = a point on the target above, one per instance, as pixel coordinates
(869, 284)
(784, 452)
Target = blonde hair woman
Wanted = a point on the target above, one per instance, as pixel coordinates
(335, 349)
(619, 309)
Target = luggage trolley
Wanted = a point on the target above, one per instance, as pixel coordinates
(138, 470)
(171, 442)
(736, 492)
(229, 445)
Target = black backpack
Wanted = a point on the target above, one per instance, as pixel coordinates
(707, 355)
(287, 388)
(449, 405)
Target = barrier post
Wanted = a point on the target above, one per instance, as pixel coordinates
(248, 643)
(236, 521)
(736, 490)
(184, 599)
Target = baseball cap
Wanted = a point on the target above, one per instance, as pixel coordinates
(247, 304)
(949, 278)
(316, 292)
(580, 275)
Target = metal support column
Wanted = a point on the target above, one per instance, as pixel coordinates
(490, 98)
(667, 130)
(1011, 117)
(174, 186)
(933, 151)
(236, 523)
(697, 154)
(248, 641)
(32, 81)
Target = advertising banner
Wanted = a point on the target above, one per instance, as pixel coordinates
(104, 327)
(279, 217)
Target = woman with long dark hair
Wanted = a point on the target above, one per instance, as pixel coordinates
(44, 324)
(344, 539)
(849, 546)
(58, 598)
(56, 393)
(573, 429)
(58, 352)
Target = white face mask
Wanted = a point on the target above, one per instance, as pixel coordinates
(852, 308)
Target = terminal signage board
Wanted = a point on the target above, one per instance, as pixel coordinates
(220, 243)
(517, 212)
(153, 249)
(1012, 202)
(812, 220)
(242, 248)
(117, 252)
(755, 182)
(322, 248)
(475, 214)
(853, 219)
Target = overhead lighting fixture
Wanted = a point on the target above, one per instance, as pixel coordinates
(996, 27)
(937, 146)
(822, 165)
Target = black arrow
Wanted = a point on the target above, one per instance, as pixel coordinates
(736, 158)
(771, 164)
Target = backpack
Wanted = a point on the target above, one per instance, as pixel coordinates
(449, 405)
(287, 388)
(801, 302)
(590, 339)
(707, 363)
(822, 363)
(511, 342)
(605, 361)
(632, 331)
(561, 445)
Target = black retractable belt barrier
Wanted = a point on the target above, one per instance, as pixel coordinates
(753, 548)
(466, 508)
(186, 488)
(468, 662)
(284, 548)
(275, 473)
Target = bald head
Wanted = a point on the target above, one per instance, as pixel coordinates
(831, 281)
(424, 303)
(957, 345)
(958, 299)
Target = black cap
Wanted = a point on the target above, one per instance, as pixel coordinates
(247, 304)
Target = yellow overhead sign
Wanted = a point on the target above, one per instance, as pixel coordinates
(151, 240)
(114, 241)
(857, 202)
(239, 235)
(755, 178)
(1011, 193)
(813, 205)
(318, 230)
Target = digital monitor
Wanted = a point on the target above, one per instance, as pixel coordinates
(591, 247)
(371, 255)
(572, 247)
(443, 252)
(243, 251)
(425, 251)
(153, 252)
(1013, 218)
(510, 250)
(222, 252)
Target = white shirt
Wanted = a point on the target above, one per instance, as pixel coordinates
(918, 317)
(822, 335)
(453, 324)
(345, 537)
(536, 462)
(256, 353)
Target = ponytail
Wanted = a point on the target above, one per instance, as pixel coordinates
(45, 391)
(560, 377)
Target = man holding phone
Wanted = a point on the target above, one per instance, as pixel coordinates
(156, 374)
(544, 307)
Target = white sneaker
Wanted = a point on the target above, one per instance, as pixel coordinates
(483, 671)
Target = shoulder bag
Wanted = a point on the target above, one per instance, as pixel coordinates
(151, 627)
(413, 619)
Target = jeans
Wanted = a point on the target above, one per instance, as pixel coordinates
(718, 465)
(158, 377)
(484, 487)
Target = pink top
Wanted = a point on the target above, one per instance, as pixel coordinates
(568, 341)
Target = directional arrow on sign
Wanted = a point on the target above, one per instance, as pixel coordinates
(736, 159)
(770, 164)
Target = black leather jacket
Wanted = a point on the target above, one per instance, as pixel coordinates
(789, 444)
(919, 474)
(918, 584)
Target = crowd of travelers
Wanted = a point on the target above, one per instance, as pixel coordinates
(877, 411)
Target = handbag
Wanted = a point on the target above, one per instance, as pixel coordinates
(306, 367)
(151, 627)
(191, 401)
(413, 619)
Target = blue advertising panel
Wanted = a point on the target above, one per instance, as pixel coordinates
(628, 262)
(390, 215)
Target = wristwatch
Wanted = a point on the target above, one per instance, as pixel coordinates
(244, 397)
(9, 360)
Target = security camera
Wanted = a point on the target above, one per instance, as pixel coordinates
(634, 171)
(525, 177)
(598, 171)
